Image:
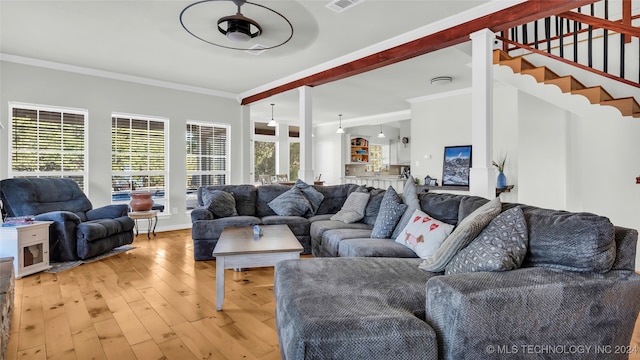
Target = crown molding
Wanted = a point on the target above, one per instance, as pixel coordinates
(113, 75)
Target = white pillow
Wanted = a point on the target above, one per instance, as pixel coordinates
(353, 208)
(424, 234)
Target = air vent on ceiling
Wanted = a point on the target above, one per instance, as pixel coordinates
(342, 5)
(256, 49)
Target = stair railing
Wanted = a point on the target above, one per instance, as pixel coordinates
(584, 38)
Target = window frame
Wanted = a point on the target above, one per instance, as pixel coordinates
(165, 172)
(50, 108)
(227, 157)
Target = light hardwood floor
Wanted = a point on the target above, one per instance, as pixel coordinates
(153, 302)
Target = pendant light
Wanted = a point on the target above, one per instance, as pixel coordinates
(340, 130)
(381, 135)
(272, 123)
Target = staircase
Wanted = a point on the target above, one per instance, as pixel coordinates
(627, 106)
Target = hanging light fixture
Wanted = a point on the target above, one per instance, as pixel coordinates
(272, 123)
(381, 135)
(340, 130)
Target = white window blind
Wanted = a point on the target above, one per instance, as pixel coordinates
(48, 142)
(138, 157)
(207, 158)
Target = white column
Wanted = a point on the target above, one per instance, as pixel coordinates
(306, 141)
(483, 175)
(245, 166)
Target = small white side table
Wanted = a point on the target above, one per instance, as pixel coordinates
(29, 246)
(150, 215)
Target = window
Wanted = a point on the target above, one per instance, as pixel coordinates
(138, 160)
(294, 151)
(264, 153)
(48, 142)
(207, 158)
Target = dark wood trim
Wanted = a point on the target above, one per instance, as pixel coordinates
(602, 23)
(501, 20)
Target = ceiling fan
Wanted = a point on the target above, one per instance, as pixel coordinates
(238, 28)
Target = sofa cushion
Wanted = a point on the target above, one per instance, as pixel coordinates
(366, 247)
(100, 229)
(314, 196)
(462, 235)
(353, 209)
(290, 203)
(327, 309)
(244, 195)
(211, 229)
(501, 246)
(443, 207)
(318, 227)
(423, 234)
(409, 198)
(331, 239)
(334, 197)
(391, 210)
(569, 241)
(469, 204)
(220, 203)
(298, 225)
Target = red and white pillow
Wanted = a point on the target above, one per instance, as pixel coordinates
(424, 234)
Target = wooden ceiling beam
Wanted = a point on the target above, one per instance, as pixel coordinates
(501, 20)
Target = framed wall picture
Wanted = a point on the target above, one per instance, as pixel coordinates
(456, 166)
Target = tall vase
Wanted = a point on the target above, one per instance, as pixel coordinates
(502, 181)
(141, 200)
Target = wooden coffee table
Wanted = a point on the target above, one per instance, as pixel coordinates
(237, 248)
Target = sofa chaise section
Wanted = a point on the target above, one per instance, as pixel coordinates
(352, 308)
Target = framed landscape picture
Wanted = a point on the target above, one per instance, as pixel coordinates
(457, 162)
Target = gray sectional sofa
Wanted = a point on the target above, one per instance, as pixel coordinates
(576, 294)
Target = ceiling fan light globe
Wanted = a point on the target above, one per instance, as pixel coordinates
(238, 28)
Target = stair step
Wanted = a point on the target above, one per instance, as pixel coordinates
(499, 55)
(628, 106)
(595, 94)
(517, 64)
(541, 73)
(566, 83)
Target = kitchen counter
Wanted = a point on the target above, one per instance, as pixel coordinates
(378, 181)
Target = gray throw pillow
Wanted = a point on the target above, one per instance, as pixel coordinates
(220, 203)
(290, 203)
(373, 206)
(391, 209)
(314, 196)
(410, 198)
(353, 208)
(501, 246)
(462, 235)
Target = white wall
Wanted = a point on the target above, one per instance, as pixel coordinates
(556, 159)
(543, 157)
(101, 97)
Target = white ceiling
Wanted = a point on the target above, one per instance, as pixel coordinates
(145, 39)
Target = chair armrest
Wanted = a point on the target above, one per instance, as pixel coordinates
(108, 212)
(62, 234)
(59, 216)
(201, 213)
(491, 315)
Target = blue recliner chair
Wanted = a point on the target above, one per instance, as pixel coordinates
(78, 231)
